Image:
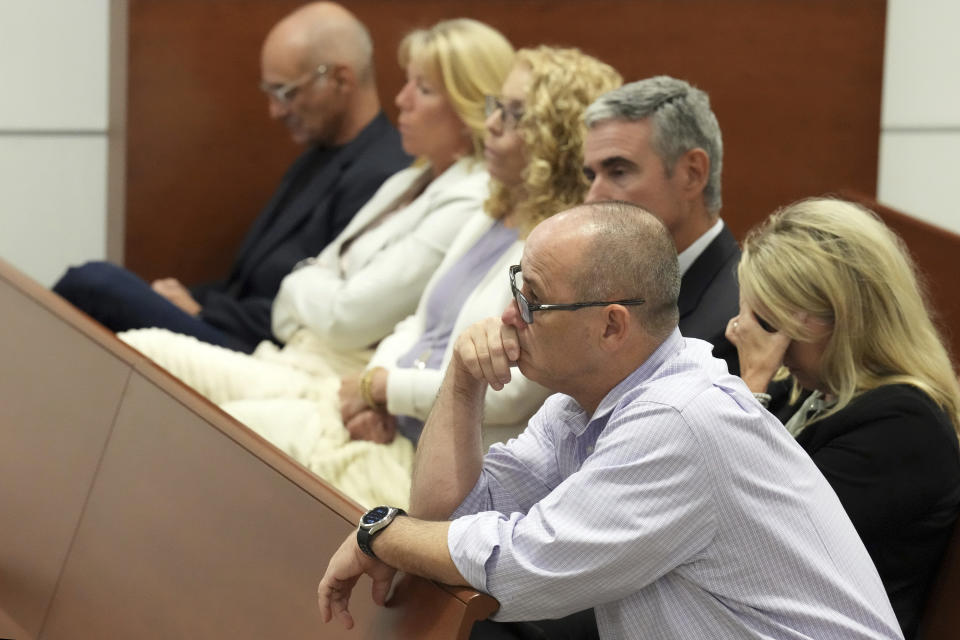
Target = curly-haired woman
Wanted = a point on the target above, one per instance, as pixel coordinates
(533, 153)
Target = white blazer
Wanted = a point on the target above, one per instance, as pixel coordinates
(354, 300)
(412, 391)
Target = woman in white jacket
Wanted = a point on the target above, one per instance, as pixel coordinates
(330, 311)
(449, 68)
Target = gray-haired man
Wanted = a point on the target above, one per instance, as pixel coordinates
(656, 143)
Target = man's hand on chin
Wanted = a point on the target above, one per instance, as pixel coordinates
(487, 350)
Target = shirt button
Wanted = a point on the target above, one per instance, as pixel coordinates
(590, 449)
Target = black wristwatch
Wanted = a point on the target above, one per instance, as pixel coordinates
(372, 523)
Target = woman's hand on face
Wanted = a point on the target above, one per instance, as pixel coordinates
(761, 352)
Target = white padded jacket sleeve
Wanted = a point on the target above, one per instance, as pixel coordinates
(389, 267)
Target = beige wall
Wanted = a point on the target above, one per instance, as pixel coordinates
(920, 140)
(53, 133)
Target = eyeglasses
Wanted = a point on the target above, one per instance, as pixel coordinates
(509, 116)
(527, 308)
(285, 93)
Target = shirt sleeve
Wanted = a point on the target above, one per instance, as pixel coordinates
(518, 474)
(639, 506)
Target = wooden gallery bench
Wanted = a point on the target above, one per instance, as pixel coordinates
(133, 508)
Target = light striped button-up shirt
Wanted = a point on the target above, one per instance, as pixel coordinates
(680, 509)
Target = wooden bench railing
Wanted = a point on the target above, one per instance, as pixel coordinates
(134, 508)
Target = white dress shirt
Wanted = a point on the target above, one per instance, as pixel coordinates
(689, 255)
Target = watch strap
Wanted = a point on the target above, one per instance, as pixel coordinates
(366, 533)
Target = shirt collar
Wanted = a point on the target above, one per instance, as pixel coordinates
(689, 255)
(667, 349)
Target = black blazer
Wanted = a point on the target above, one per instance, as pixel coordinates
(892, 457)
(316, 199)
(710, 296)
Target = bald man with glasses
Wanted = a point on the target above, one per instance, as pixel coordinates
(652, 486)
(317, 74)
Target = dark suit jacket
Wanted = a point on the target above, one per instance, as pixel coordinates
(316, 199)
(710, 296)
(892, 457)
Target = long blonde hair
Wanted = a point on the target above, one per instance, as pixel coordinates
(468, 60)
(837, 262)
(563, 82)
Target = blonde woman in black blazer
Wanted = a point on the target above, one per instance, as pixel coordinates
(830, 293)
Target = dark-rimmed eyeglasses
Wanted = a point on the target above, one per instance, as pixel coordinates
(509, 116)
(527, 308)
(285, 93)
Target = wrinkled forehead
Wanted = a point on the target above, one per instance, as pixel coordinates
(554, 249)
(630, 140)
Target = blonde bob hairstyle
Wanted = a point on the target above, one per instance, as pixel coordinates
(563, 82)
(837, 262)
(467, 60)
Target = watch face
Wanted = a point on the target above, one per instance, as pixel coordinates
(375, 515)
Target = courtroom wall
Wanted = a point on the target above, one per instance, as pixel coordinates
(792, 83)
(56, 124)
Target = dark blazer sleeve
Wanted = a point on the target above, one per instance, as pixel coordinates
(888, 463)
(242, 307)
(247, 316)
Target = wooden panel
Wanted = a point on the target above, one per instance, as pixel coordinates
(445, 616)
(795, 85)
(134, 508)
(936, 252)
(153, 533)
(50, 450)
(10, 629)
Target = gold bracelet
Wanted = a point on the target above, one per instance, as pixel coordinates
(366, 390)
